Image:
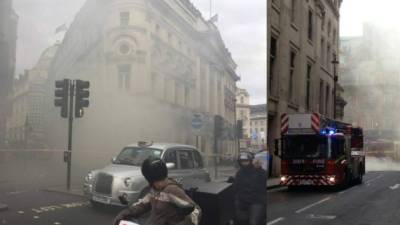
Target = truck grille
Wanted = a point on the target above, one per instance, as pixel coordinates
(306, 168)
(104, 184)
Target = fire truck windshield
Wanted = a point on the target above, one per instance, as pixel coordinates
(305, 146)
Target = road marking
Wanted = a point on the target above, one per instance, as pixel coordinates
(321, 217)
(36, 217)
(56, 223)
(277, 189)
(275, 221)
(59, 207)
(394, 186)
(342, 192)
(312, 205)
(20, 212)
(373, 179)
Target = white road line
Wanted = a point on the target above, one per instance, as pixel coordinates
(394, 186)
(373, 179)
(321, 217)
(275, 221)
(277, 189)
(342, 192)
(312, 205)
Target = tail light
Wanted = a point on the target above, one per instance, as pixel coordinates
(331, 167)
(284, 167)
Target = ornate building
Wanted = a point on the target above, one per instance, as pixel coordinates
(303, 48)
(8, 44)
(243, 110)
(27, 122)
(152, 64)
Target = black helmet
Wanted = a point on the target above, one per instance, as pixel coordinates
(245, 156)
(154, 169)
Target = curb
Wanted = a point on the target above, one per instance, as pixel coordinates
(273, 186)
(3, 207)
(64, 192)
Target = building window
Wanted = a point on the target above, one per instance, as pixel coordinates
(308, 87)
(310, 25)
(124, 76)
(293, 11)
(291, 74)
(328, 53)
(327, 101)
(334, 36)
(321, 97)
(176, 92)
(187, 96)
(329, 28)
(241, 113)
(241, 99)
(322, 51)
(124, 18)
(165, 88)
(272, 62)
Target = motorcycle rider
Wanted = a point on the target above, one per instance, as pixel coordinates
(167, 201)
(250, 192)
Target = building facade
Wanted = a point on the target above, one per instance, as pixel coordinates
(26, 124)
(371, 78)
(258, 124)
(243, 110)
(152, 64)
(303, 44)
(8, 43)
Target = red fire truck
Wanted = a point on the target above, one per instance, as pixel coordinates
(319, 151)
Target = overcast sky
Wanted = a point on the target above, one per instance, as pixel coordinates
(242, 25)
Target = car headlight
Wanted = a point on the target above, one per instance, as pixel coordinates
(128, 181)
(89, 177)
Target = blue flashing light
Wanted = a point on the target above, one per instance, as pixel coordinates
(328, 131)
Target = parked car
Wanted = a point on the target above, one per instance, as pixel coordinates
(124, 178)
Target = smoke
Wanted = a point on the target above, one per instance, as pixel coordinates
(382, 164)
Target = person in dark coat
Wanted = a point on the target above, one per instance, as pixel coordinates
(250, 192)
(167, 202)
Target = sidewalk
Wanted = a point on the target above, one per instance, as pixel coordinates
(273, 183)
(75, 190)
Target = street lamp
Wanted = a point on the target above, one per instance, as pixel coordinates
(335, 62)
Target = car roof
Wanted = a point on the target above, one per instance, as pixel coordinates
(164, 146)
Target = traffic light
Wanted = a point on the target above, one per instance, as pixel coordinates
(239, 129)
(218, 126)
(61, 94)
(81, 97)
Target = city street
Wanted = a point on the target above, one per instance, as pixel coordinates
(375, 202)
(52, 208)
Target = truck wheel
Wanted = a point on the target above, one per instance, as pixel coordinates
(359, 179)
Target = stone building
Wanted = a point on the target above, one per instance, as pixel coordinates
(371, 78)
(303, 43)
(243, 110)
(152, 64)
(27, 122)
(258, 124)
(8, 44)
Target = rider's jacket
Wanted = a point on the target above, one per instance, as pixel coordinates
(170, 206)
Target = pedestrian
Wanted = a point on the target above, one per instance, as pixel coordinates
(250, 192)
(167, 201)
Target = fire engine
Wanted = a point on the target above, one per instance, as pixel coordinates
(319, 151)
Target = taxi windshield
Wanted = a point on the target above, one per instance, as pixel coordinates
(134, 156)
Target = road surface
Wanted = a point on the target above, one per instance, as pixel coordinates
(375, 202)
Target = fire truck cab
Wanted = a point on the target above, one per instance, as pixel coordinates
(319, 151)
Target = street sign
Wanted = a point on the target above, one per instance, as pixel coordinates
(197, 121)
